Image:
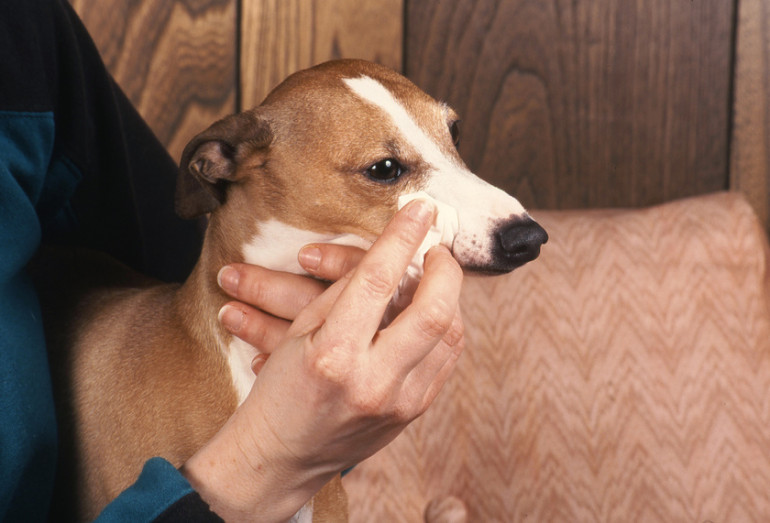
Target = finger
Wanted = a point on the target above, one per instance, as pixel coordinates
(260, 330)
(428, 319)
(426, 380)
(280, 294)
(359, 309)
(329, 262)
(315, 314)
(333, 263)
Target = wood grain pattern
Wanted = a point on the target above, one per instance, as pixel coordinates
(582, 104)
(174, 59)
(284, 36)
(750, 147)
(623, 376)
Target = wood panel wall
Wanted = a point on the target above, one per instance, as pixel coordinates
(174, 59)
(583, 104)
(284, 36)
(564, 104)
(178, 60)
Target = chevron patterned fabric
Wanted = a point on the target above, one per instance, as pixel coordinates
(623, 376)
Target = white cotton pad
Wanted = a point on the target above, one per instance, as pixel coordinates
(442, 232)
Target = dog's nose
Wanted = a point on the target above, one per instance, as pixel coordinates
(520, 241)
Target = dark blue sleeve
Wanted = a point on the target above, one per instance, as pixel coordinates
(27, 420)
(31, 179)
(160, 494)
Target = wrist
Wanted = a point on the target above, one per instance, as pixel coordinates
(242, 479)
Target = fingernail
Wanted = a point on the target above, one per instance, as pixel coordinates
(421, 209)
(231, 318)
(310, 258)
(228, 279)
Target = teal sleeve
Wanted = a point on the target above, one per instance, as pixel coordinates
(27, 420)
(159, 486)
(35, 187)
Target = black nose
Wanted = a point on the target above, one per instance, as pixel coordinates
(519, 242)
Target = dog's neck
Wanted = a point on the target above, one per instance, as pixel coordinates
(200, 298)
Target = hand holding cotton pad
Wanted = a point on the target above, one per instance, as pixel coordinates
(443, 231)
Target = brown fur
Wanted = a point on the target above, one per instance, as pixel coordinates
(330, 504)
(117, 408)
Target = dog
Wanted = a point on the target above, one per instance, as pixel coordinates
(325, 158)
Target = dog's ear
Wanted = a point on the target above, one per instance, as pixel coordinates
(210, 161)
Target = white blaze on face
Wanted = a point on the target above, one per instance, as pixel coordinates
(480, 206)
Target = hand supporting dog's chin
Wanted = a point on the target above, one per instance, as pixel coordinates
(337, 388)
(269, 302)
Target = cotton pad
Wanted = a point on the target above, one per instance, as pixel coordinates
(442, 232)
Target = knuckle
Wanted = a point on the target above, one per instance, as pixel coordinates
(419, 411)
(371, 398)
(367, 403)
(330, 361)
(427, 401)
(455, 335)
(436, 318)
(404, 413)
(377, 281)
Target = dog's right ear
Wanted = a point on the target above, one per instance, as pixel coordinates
(211, 160)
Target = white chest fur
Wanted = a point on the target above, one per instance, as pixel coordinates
(277, 245)
(276, 248)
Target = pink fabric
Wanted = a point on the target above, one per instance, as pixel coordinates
(622, 376)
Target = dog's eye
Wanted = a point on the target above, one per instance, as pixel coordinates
(454, 130)
(386, 170)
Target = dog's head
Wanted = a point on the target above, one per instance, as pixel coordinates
(326, 157)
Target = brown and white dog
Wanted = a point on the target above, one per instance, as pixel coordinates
(323, 159)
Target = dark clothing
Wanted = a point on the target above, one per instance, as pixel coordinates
(77, 166)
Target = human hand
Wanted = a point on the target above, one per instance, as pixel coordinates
(268, 301)
(337, 388)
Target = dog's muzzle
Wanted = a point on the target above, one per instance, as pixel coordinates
(517, 243)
